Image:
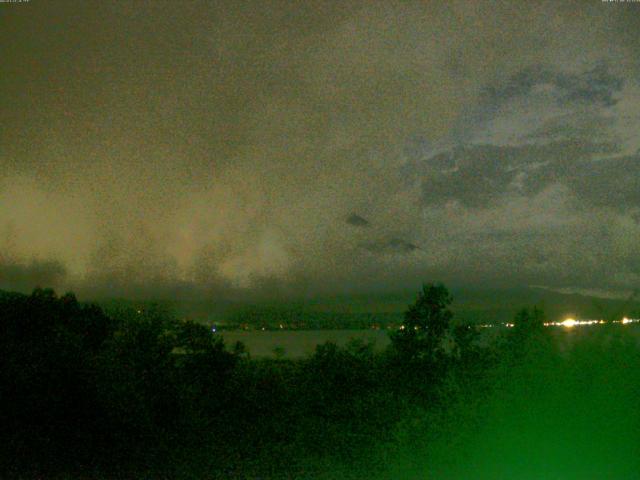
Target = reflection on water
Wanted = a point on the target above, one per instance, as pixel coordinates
(299, 343)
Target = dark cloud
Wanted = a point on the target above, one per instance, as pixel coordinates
(578, 126)
(24, 277)
(608, 183)
(205, 148)
(391, 246)
(553, 139)
(357, 221)
(478, 175)
(595, 86)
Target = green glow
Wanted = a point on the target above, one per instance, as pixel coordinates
(567, 410)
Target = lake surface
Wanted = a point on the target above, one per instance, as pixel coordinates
(300, 343)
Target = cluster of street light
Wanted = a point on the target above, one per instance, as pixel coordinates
(570, 323)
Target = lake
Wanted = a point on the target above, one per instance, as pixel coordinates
(300, 343)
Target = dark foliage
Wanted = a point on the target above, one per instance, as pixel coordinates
(425, 324)
(137, 393)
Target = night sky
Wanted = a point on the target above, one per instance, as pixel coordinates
(278, 147)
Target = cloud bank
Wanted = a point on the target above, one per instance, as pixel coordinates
(222, 148)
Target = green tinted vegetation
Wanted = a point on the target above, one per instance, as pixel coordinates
(139, 394)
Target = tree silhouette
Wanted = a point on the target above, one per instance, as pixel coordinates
(527, 321)
(527, 333)
(425, 323)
